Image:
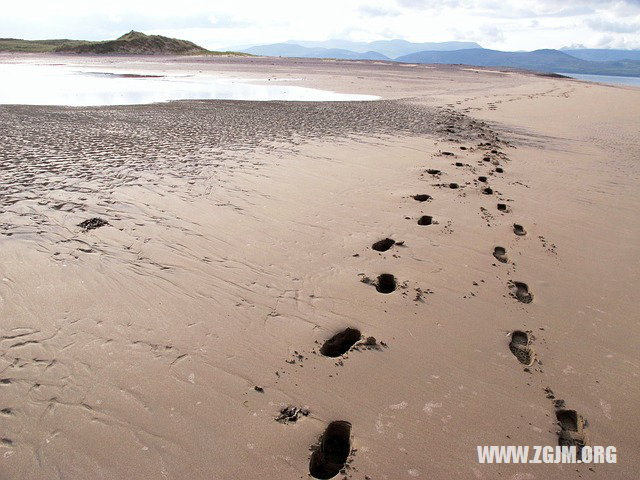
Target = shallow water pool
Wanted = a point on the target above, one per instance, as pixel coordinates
(28, 84)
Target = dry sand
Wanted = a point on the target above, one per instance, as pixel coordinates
(239, 240)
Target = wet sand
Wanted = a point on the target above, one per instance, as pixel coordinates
(184, 338)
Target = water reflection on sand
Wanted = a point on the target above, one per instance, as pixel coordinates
(73, 86)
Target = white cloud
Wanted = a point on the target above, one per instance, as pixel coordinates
(501, 24)
(493, 33)
(613, 26)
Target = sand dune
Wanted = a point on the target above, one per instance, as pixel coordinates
(201, 332)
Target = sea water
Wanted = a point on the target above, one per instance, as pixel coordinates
(30, 84)
(612, 79)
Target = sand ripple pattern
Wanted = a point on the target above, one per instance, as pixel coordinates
(48, 148)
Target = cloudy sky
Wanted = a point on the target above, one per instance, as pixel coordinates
(499, 24)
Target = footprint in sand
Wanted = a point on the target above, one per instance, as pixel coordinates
(341, 342)
(519, 230)
(499, 170)
(503, 207)
(520, 291)
(433, 171)
(487, 191)
(520, 348)
(482, 179)
(454, 185)
(572, 431)
(459, 164)
(383, 245)
(425, 220)
(386, 283)
(331, 454)
(422, 197)
(501, 254)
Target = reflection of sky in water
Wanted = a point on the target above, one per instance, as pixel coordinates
(616, 80)
(56, 85)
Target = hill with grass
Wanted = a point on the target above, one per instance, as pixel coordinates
(35, 46)
(132, 43)
(136, 43)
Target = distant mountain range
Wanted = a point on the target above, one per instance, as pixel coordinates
(295, 50)
(538, 60)
(388, 48)
(602, 54)
(346, 50)
(587, 61)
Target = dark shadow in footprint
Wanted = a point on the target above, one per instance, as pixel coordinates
(93, 223)
(571, 429)
(433, 171)
(422, 197)
(459, 164)
(482, 179)
(487, 191)
(520, 348)
(453, 185)
(383, 245)
(447, 153)
(487, 159)
(501, 254)
(519, 230)
(503, 207)
(499, 170)
(425, 220)
(521, 292)
(340, 343)
(332, 453)
(386, 283)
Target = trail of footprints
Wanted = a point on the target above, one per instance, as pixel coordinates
(572, 426)
(331, 453)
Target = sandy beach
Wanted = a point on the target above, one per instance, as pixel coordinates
(184, 337)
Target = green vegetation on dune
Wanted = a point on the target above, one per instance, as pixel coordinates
(133, 43)
(136, 43)
(35, 46)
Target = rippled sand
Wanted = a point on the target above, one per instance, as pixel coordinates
(183, 339)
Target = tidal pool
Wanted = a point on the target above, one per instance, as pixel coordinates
(28, 84)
